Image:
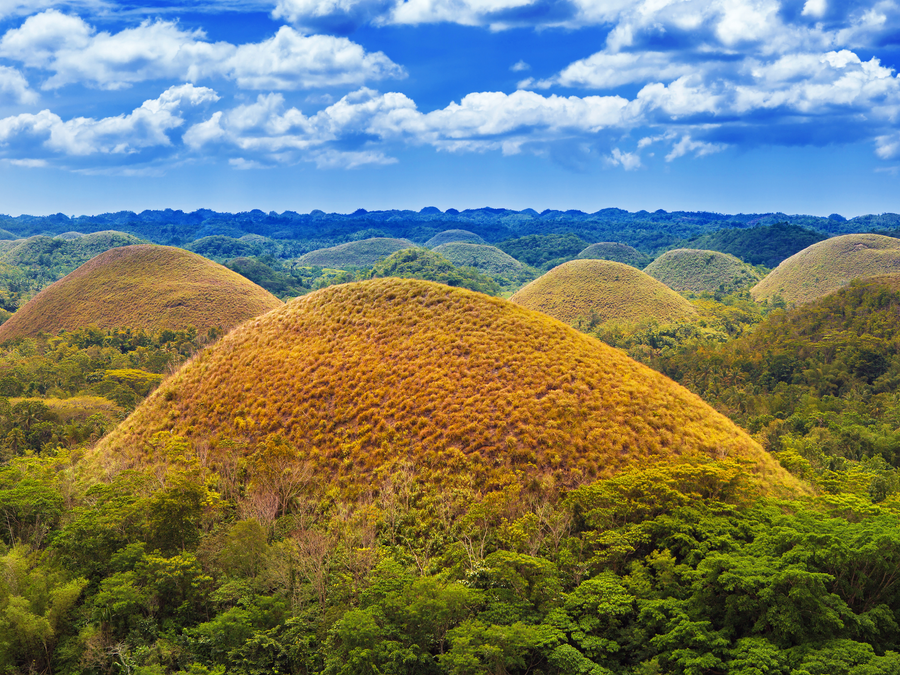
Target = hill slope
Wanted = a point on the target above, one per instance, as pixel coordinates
(355, 253)
(828, 265)
(144, 286)
(608, 250)
(367, 376)
(488, 259)
(762, 245)
(601, 291)
(689, 269)
(453, 236)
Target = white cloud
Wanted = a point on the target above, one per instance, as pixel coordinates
(75, 52)
(629, 161)
(699, 148)
(605, 70)
(14, 85)
(519, 66)
(888, 146)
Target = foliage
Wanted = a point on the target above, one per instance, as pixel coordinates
(453, 237)
(544, 250)
(146, 287)
(686, 269)
(827, 266)
(593, 292)
(278, 283)
(764, 245)
(354, 254)
(623, 253)
(420, 263)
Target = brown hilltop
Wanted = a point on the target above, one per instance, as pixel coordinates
(144, 286)
(603, 290)
(366, 376)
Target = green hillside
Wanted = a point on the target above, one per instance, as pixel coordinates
(623, 253)
(354, 254)
(453, 236)
(544, 250)
(488, 259)
(687, 269)
(828, 265)
(765, 245)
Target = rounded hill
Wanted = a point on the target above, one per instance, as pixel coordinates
(488, 259)
(691, 269)
(824, 267)
(608, 250)
(366, 377)
(601, 290)
(360, 253)
(453, 236)
(144, 286)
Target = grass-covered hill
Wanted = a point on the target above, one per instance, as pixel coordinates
(764, 245)
(488, 259)
(598, 291)
(362, 253)
(689, 269)
(609, 250)
(544, 250)
(828, 265)
(366, 377)
(425, 265)
(145, 286)
(453, 236)
(70, 252)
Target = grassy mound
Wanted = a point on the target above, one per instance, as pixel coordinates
(366, 377)
(452, 237)
(145, 286)
(601, 290)
(608, 250)
(761, 245)
(355, 253)
(488, 259)
(829, 265)
(690, 269)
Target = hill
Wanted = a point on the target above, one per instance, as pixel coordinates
(145, 286)
(488, 259)
(828, 265)
(608, 250)
(544, 250)
(425, 265)
(453, 236)
(355, 253)
(276, 282)
(688, 269)
(761, 245)
(366, 377)
(598, 291)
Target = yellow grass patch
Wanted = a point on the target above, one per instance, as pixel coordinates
(144, 286)
(825, 267)
(365, 377)
(601, 291)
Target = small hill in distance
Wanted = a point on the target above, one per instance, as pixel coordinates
(764, 245)
(145, 286)
(453, 236)
(488, 259)
(367, 377)
(72, 252)
(354, 254)
(689, 269)
(608, 250)
(544, 250)
(599, 291)
(425, 265)
(829, 265)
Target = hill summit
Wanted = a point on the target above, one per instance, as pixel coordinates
(143, 286)
(825, 267)
(691, 269)
(601, 291)
(364, 377)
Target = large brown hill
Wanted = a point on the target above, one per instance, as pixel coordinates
(601, 291)
(365, 377)
(831, 264)
(144, 286)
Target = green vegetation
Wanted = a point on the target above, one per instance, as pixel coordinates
(765, 245)
(420, 263)
(453, 236)
(506, 270)
(688, 269)
(364, 377)
(354, 254)
(586, 293)
(623, 253)
(148, 287)
(827, 266)
(278, 283)
(544, 250)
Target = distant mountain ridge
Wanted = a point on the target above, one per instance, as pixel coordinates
(641, 229)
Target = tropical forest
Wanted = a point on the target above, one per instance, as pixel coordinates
(478, 442)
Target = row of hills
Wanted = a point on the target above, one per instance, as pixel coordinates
(403, 471)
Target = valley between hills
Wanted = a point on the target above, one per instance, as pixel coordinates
(450, 442)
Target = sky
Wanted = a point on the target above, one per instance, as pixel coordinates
(731, 106)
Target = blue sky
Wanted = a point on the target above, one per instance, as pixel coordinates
(719, 105)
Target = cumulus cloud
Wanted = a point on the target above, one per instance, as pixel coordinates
(14, 85)
(74, 52)
(39, 138)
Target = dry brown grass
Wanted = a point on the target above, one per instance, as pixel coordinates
(601, 291)
(825, 267)
(365, 377)
(145, 286)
